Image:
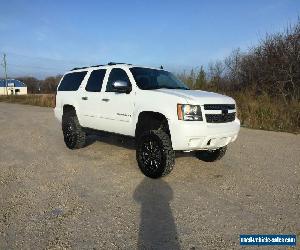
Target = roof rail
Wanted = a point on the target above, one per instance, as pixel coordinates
(99, 65)
(110, 64)
(88, 67)
(78, 68)
(115, 63)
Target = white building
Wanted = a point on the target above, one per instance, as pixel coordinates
(12, 87)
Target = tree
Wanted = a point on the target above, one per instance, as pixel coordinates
(31, 82)
(191, 79)
(201, 79)
(233, 65)
(216, 71)
(49, 85)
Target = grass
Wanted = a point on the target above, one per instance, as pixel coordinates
(259, 112)
(262, 112)
(42, 100)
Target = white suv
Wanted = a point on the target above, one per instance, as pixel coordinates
(149, 104)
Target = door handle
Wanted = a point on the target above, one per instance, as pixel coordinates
(105, 100)
(84, 98)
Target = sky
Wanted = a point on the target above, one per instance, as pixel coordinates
(43, 38)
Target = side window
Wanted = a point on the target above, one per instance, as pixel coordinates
(71, 81)
(95, 81)
(116, 75)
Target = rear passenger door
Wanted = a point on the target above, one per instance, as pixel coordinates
(90, 102)
(68, 91)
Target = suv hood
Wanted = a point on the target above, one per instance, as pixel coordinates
(198, 96)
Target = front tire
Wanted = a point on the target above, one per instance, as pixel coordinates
(74, 136)
(211, 155)
(154, 154)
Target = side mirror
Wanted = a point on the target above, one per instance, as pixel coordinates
(122, 87)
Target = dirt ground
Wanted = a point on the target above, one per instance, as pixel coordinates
(96, 197)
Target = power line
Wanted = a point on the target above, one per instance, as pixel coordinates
(4, 64)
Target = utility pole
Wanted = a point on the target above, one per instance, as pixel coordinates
(4, 64)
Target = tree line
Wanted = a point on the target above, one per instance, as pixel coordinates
(45, 86)
(264, 81)
(270, 68)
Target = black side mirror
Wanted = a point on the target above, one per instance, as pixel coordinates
(122, 87)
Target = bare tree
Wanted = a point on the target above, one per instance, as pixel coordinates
(49, 85)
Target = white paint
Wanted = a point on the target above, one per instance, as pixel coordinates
(185, 135)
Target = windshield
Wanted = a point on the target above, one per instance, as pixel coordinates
(156, 79)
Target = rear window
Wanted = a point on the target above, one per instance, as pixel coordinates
(71, 81)
(95, 81)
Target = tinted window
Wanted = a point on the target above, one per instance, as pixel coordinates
(116, 75)
(71, 81)
(95, 81)
(156, 79)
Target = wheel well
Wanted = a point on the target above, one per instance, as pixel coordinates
(149, 120)
(69, 109)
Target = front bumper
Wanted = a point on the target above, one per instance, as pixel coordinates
(194, 135)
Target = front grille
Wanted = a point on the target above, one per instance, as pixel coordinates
(219, 106)
(220, 118)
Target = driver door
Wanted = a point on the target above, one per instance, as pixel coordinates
(118, 107)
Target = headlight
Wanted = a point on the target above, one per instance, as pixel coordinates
(188, 112)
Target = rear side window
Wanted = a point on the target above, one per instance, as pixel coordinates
(116, 75)
(71, 81)
(95, 81)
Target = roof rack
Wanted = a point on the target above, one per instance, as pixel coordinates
(110, 64)
(78, 68)
(115, 63)
(87, 67)
(99, 65)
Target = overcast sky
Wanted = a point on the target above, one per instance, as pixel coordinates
(44, 38)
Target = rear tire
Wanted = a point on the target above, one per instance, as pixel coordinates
(154, 153)
(211, 155)
(74, 136)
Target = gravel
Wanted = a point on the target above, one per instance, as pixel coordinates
(96, 197)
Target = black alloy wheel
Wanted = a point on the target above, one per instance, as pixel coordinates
(151, 154)
(154, 154)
